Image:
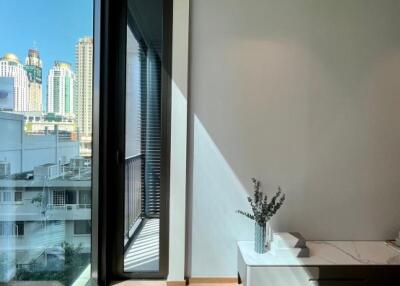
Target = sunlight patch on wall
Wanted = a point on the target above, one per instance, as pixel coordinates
(217, 194)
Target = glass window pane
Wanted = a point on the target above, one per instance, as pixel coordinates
(6, 197)
(143, 138)
(70, 197)
(85, 198)
(46, 62)
(18, 196)
(82, 227)
(135, 217)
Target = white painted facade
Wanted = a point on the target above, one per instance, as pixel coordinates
(12, 68)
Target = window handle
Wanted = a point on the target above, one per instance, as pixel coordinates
(119, 157)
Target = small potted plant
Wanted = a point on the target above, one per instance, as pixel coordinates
(262, 212)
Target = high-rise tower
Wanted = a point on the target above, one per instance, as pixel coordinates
(33, 67)
(61, 89)
(84, 76)
(13, 73)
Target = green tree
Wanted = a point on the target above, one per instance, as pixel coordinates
(74, 264)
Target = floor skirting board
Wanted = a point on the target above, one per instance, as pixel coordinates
(177, 283)
(212, 280)
(203, 281)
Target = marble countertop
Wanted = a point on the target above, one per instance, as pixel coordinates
(325, 253)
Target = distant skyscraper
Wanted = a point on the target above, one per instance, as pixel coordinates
(61, 89)
(33, 67)
(84, 76)
(14, 72)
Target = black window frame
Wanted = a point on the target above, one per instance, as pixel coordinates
(109, 141)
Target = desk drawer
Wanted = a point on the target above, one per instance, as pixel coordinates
(281, 276)
(320, 276)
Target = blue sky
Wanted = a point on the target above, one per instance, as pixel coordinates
(54, 26)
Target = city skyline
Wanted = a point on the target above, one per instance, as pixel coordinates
(44, 86)
(24, 30)
(69, 90)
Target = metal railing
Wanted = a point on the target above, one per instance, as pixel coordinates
(68, 207)
(60, 135)
(133, 193)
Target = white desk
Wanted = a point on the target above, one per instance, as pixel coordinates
(329, 263)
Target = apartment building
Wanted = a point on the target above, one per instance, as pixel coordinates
(45, 197)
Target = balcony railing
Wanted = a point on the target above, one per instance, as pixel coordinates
(69, 207)
(133, 194)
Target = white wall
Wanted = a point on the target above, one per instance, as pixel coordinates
(177, 225)
(25, 152)
(304, 94)
(11, 139)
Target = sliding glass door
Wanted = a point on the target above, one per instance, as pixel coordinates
(134, 144)
(146, 193)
